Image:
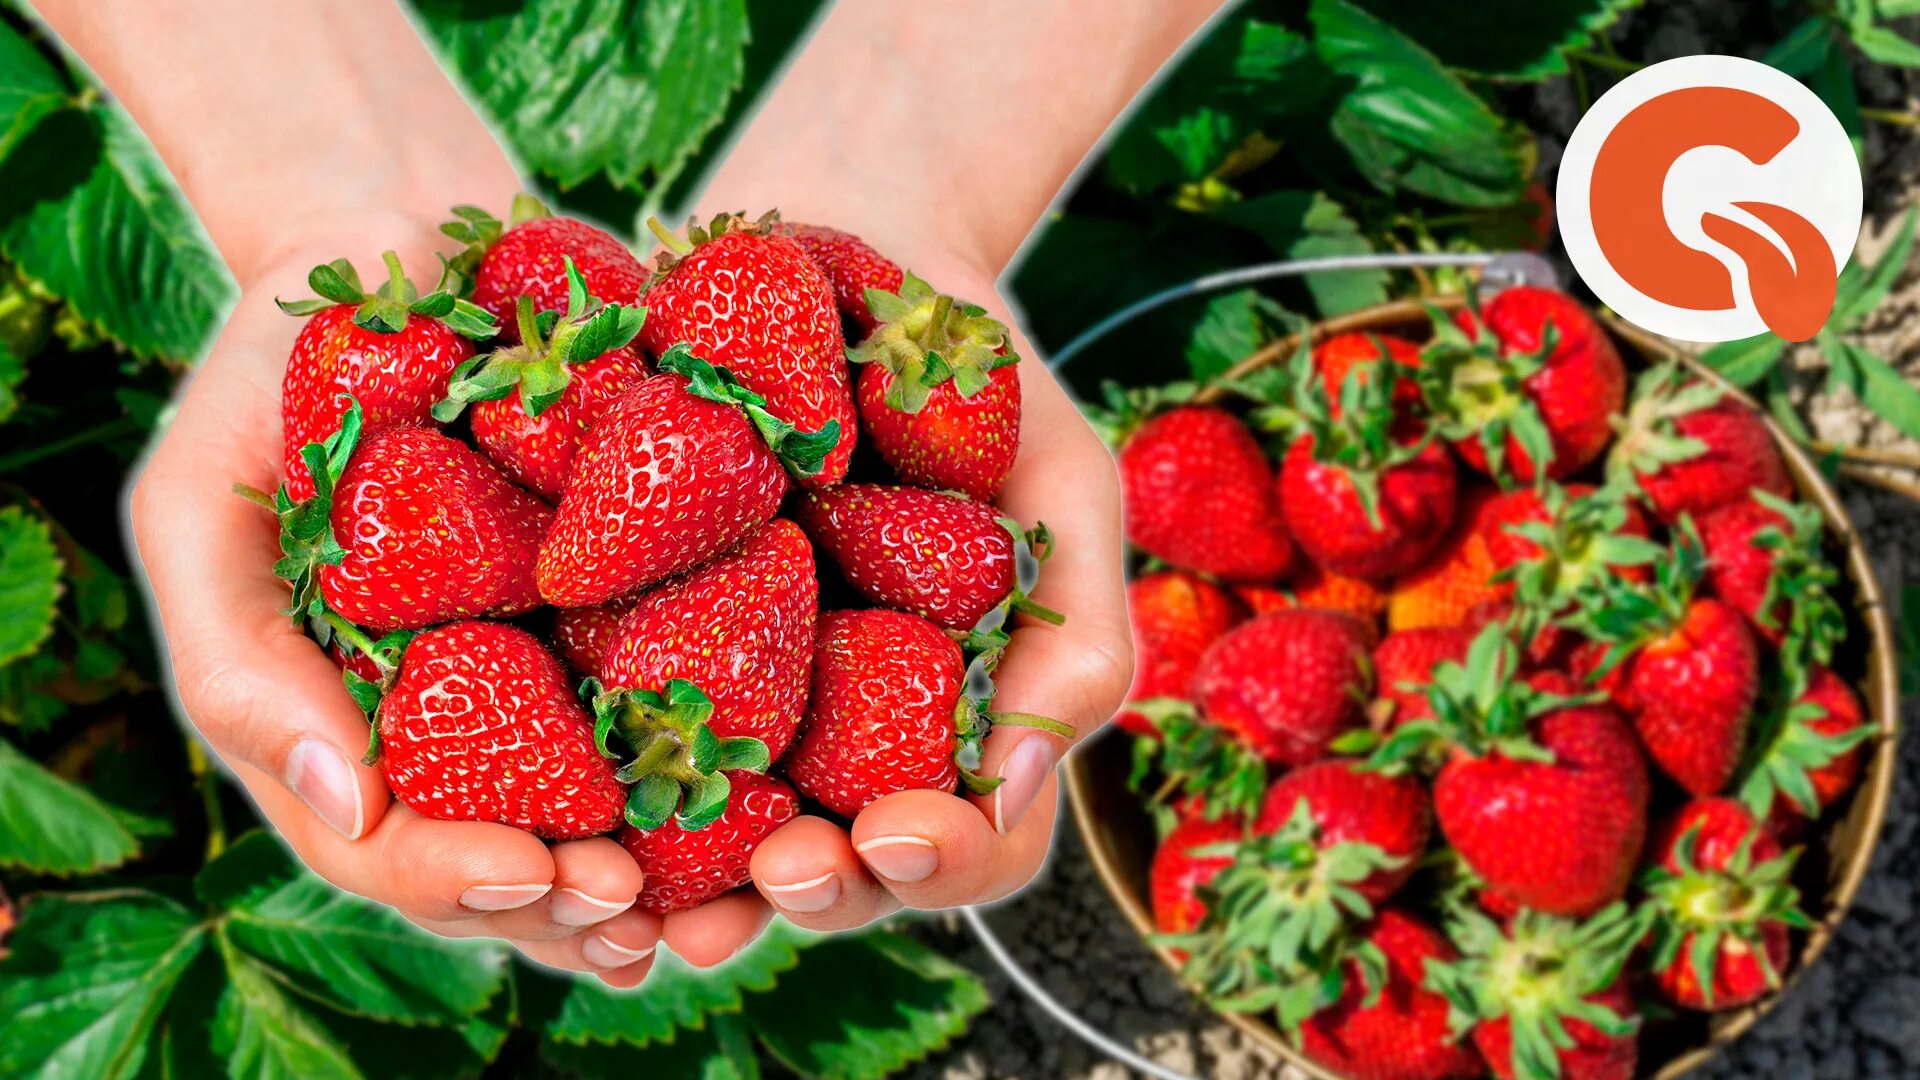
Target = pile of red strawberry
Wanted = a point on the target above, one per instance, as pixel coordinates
(1559, 781)
(558, 518)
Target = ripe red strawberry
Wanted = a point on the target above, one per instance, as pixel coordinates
(482, 726)
(851, 266)
(1529, 375)
(1286, 684)
(1724, 900)
(1330, 842)
(939, 392)
(1313, 587)
(1400, 1029)
(1334, 357)
(753, 303)
(686, 868)
(583, 634)
(1685, 669)
(1178, 873)
(1362, 493)
(888, 713)
(1200, 495)
(1545, 994)
(1458, 576)
(1548, 646)
(679, 468)
(408, 529)
(527, 257)
(1336, 823)
(1403, 665)
(1764, 558)
(1811, 753)
(1175, 616)
(533, 401)
(740, 628)
(392, 350)
(1551, 543)
(1691, 448)
(1544, 798)
(942, 557)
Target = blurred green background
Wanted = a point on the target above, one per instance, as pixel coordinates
(161, 934)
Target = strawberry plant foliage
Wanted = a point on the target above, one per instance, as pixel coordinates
(50, 825)
(617, 89)
(95, 983)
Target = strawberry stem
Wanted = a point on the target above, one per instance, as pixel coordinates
(255, 496)
(529, 322)
(1030, 606)
(355, 637)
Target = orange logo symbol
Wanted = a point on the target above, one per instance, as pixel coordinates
(1709, 198)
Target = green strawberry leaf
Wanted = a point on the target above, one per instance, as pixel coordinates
(675, 997)
(894, 1002)
(427, 1053)
(263, 1034)
(588, 88)
(30, 569)
(1747, 360)
(1527, 41)
(88, 212)
(1408, 122)
(721, 1050)
(356, 957)
(88, 977)
(31, 88)
(49, 825)
(1233, 326)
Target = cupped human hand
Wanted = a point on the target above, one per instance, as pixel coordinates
(933, 849)
(272, 705)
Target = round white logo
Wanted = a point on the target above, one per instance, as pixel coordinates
(1710, 198)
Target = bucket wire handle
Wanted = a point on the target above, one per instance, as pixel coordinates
(1499, 271)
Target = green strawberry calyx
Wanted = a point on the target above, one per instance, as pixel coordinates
(1479, 708)
(675, 763)
(1282, 923)
(1031, 549)
(388, 309)
(1702, 910)
(974, 720)
(474, 227)
(675, 246)
(550, 343)
(306, 528)
(1123, 409)
(1625, 615)
(1802, 584)
(386, 654)
(1539, 972)
(1476, 389)
(1579, 547)
(927, 339)
(1647, 438)
(804, 453)
(1364, 438)
(1199, 764)
(1789, 747)
(1290, 895)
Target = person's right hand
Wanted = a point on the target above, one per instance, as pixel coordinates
(272, 704)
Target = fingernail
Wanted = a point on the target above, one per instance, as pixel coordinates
(320, 775)
(501, 897)
(805, 897)
(571, 907)
(1022, 775)
(900, 858)
(603, 953)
